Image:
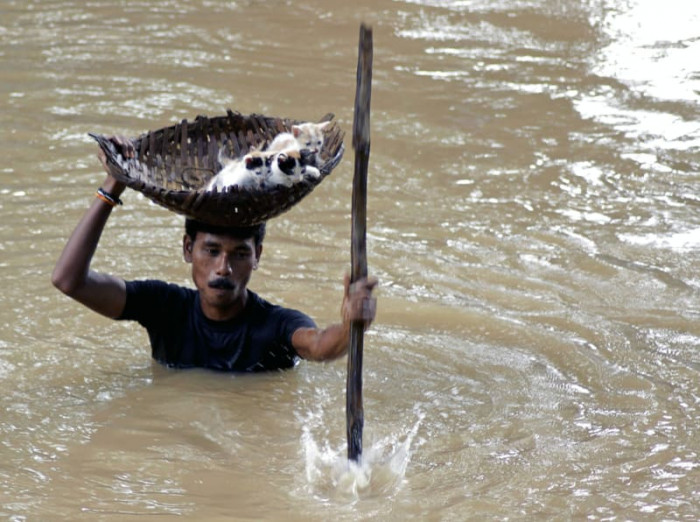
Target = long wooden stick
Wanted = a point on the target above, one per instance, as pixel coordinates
(360, 142)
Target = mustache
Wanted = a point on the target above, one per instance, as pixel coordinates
(221, 283)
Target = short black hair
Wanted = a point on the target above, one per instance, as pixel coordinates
(257, 232)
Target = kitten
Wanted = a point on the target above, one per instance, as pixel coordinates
(247, 172)
(302, 136)
(290, 167)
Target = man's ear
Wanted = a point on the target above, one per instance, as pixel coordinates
(258, 253)
(187, 246)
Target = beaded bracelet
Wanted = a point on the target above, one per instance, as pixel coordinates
(108, 198)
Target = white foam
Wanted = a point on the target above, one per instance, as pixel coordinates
(380, 470)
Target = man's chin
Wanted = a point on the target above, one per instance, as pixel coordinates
(227, 294)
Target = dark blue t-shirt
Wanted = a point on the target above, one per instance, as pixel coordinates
(258, 339)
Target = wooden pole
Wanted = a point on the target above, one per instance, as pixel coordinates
(360, 142)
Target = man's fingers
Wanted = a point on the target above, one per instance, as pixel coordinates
(359, 305)
(372, 282)
(369, 309)
(125, 146)
(364, 286)
(346, 284)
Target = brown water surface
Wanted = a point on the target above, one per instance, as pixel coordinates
(533, 220)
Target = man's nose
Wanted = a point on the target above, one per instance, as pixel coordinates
(223, 266)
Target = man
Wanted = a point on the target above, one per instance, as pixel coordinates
(220, 325)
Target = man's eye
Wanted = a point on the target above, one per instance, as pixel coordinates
(212, 251)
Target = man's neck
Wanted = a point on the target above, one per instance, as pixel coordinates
(227, 313)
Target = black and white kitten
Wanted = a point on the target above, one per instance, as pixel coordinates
(290, 167)
(248, 172)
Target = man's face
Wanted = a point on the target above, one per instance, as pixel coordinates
(221, 269)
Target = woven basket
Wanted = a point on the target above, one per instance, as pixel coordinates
(173, 165)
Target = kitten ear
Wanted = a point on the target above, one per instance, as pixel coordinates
(296, 130)
(323, 125)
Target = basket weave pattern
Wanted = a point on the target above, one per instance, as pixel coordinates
(174, 164)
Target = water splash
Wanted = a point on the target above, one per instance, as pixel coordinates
(380, 471)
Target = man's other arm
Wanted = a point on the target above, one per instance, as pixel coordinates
(72, 275)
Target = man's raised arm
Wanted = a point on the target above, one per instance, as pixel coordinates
(72, 275)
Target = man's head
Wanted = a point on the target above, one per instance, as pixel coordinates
(256, 232)
(223, 260)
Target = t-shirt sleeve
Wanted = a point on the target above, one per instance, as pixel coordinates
(290, 321)
(149, 302)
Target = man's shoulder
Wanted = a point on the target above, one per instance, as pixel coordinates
(262, 307)
(152, 297)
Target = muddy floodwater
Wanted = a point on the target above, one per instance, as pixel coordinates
(533, 219)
